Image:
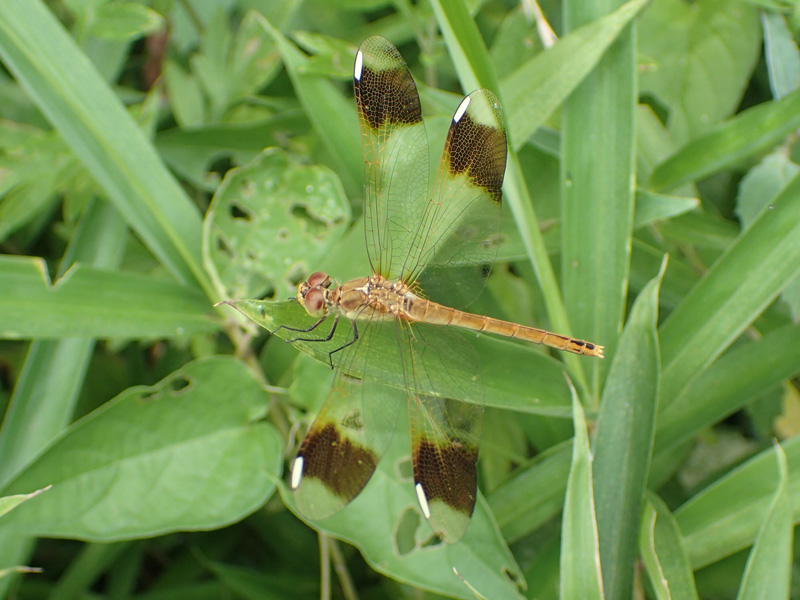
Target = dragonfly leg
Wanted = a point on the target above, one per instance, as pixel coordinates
(350, 343)
(306, 330)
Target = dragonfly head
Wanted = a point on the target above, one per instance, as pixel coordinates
(312, 294)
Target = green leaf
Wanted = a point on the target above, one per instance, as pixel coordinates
(758, 189)
(733, 293)
(93, 122)
(87, 301)
(652, 207)
(167, 457)
(782, 56)
(333, 116)
(580, 553)
(750, 132)
(185, 96)
(271, 222)
(124, 21)
(533, 495)
(738, 377)
(624, 440)
(727, 515)
(704, 54)
(597, 191)
(9, 503)
(769, 568)
(664, 557)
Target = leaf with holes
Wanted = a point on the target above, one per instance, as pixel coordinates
(269, 223)
(186, 453)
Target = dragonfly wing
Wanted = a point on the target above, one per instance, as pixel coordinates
(445, 415)
(395, 154)
(460, 233)
(347, 438)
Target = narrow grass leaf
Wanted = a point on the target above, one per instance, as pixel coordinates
(160, 458)
(581, 577)
(663, 555)
(93, 122)
(769, 567)
(597, 190)
(736, 378)
(750, 132)
(534, 495)
(624, 440)
(726, 516)
(86, 302)
(739, 286)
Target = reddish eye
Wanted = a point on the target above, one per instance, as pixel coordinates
(314, 301)
(316, 279)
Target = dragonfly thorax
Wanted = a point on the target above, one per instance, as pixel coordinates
(362, 298)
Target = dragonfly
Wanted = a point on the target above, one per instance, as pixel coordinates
(439, 239)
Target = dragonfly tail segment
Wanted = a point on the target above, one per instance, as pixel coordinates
(444, 315)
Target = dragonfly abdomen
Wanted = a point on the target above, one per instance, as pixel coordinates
(437, 314)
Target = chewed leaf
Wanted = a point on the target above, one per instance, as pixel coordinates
(270, 223)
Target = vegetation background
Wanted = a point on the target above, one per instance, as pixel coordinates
(135, 192)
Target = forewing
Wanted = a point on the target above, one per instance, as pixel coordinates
(445, 427)
(347, 438)
(395, 154)
(460, 232)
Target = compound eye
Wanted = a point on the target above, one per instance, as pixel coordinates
(316, 279)
(314, 301)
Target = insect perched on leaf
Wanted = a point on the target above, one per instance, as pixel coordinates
(438, 241)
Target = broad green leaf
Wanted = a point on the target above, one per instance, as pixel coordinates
(542, 390)
(750, 132)
(270, 223)
(401, 544)
(597, 191)
(704, 54)
(739, 286)
(93, 122)
(726, 516)
(92, 302)
(186, 453)
(581, 576)
(781, 54)
(769, 568)
(9, 503)
(662, 552)
(623, 440)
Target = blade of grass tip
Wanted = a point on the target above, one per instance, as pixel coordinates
(663, 555)
(597, 193)
(90, 117)
(623, 440)
(768, 573)
(580, 577)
